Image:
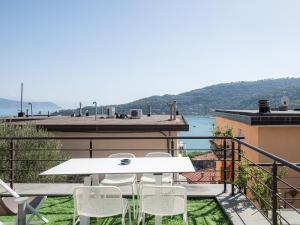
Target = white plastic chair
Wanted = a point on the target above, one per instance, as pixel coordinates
(100, 201)
(122, 179)
(163, 201)
(13, 205)
(149, 178)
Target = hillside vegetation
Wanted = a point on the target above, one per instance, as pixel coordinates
(236, 95)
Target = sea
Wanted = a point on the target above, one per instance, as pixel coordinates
(199, 126)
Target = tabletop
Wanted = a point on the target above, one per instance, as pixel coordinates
(87, 166)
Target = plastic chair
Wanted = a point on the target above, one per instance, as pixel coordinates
(122, 179)
(149, 178)
(99, 202)
(163, 201)
(32, 204)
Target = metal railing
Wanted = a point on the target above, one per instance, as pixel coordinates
(230, 153)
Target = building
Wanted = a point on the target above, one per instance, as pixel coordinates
(278, 132)
(147, 126)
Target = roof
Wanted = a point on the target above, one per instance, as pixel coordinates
(206, 176)
(208, 156)
(253, 117)
(154, 123)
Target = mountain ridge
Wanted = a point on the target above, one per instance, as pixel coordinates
(202, 101)
(10, 107)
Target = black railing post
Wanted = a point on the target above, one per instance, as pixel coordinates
(232, 166)
(172, 147)
(225, 165)
(274, 194)
(239, 160)
(91, 148)
(168, 145)
(12, 163)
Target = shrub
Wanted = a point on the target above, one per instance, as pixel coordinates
(26, 151)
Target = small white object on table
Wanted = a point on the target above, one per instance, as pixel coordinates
(155, 165)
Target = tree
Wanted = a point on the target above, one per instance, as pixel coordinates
(32, 156)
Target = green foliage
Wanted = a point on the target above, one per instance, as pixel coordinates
(25, 151)
(222, 131)
(260, 182)
(243, 175)
(261, 190)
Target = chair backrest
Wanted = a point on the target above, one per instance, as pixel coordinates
(163, 200)
(98, 201)
(8, 189)
(120, 176)
(122, 155)
(158, 154)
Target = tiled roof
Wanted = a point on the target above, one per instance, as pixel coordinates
(207, 176)
(208, 156)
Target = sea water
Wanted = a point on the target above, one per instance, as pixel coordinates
(199, 126)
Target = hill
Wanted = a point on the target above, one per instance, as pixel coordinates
(235, 95)
(11, 107)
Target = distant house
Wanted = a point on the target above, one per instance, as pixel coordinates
(205, 161)
(205, 166)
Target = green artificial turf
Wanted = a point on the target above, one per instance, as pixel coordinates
(59, 211)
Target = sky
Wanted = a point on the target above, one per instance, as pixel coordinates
(116, 51)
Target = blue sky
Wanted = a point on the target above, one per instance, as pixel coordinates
(119, 51)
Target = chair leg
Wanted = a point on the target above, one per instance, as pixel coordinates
(123, 219)
(129, 212)
(185, 219)
(35, 211)
(133, 200)
(144, 215)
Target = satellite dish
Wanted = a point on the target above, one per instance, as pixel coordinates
(285, 101)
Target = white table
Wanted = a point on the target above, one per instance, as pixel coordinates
(156, 165)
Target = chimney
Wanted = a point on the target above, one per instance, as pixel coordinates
(80, 109)
(95, 103)
(263, 106)
(171, 111)
(21, 113)
(174, 110)
(149, 110)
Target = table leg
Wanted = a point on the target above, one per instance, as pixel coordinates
(84, 220)
(158, 181)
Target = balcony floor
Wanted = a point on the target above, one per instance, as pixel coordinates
(238, 208)
(59, 211)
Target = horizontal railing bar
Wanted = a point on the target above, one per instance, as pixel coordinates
(268, 219)
(270, 155)
(260, 196)
(33, 160)
(257, 179)
(282, 199)
(94, 149)
(257, 165)
(270, 164)
(120, 138)
(283, 218)
(292, 199)
(286, 183)
(287, 188)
